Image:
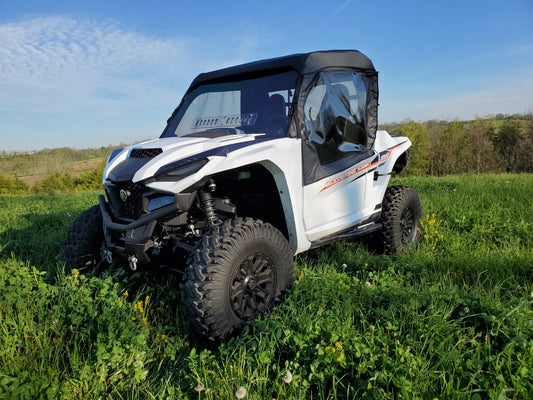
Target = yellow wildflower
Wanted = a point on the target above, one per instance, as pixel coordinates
(75, 274)
(139, 307)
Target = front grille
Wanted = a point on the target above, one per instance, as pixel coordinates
(133, 207)
(145, 153)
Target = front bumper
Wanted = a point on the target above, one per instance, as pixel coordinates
(135, 235)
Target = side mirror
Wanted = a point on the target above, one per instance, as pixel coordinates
(351, 132)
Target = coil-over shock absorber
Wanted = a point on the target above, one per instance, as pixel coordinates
(206, 199)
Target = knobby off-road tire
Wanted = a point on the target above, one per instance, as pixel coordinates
(84, 240)
(238, 272)
(401, 213)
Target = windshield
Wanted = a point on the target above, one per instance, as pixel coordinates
(258, 105)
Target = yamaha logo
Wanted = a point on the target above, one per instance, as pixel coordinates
(124, 195)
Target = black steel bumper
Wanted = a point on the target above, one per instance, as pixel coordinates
(136, 234)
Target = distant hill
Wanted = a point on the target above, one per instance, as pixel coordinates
(34, 166)
(495, 143)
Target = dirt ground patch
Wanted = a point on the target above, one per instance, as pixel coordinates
(75, 170)
(86, 166)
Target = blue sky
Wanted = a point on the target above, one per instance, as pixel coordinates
(96, 73)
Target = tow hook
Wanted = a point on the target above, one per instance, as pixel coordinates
(108, 256)
(133, 262)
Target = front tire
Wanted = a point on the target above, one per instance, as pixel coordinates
(84, 241)
(239, 271)
(400, 218)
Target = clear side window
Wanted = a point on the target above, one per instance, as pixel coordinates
(334, 114)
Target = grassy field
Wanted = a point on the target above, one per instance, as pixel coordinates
(452, 319)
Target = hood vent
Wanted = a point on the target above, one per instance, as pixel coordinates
(145, 153)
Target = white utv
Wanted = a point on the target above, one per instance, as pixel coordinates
(258, 163)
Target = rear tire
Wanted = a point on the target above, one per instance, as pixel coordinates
(239, 271)
(84, 241)
(400, 218)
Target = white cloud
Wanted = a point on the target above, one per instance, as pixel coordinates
(81, 83)
(56, 63)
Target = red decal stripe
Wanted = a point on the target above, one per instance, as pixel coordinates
(347, 174)
(383, 156)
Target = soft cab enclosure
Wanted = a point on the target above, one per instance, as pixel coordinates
(335, 92)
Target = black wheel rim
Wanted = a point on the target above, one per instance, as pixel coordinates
(252, 286)
(408, 225)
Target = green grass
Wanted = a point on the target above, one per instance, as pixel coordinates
(451, 319)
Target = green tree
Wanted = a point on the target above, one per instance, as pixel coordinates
(523, 161)
(484, 156)
(506, 140)
(452, 153)
(418, 134)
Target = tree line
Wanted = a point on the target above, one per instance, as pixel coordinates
(488, 145)
(501, 143)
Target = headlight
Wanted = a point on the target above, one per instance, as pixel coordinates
(115, 153)
(179, 170)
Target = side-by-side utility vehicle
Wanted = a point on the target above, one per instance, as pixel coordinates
(259, 162)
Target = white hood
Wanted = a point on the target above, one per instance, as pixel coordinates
(175, 149)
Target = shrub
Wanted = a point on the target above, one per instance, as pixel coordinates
(91, 180)
(55, 183)
(13, 186)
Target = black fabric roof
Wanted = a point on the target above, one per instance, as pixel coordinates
(302, 63)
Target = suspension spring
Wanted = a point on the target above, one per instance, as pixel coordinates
(206, 198)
